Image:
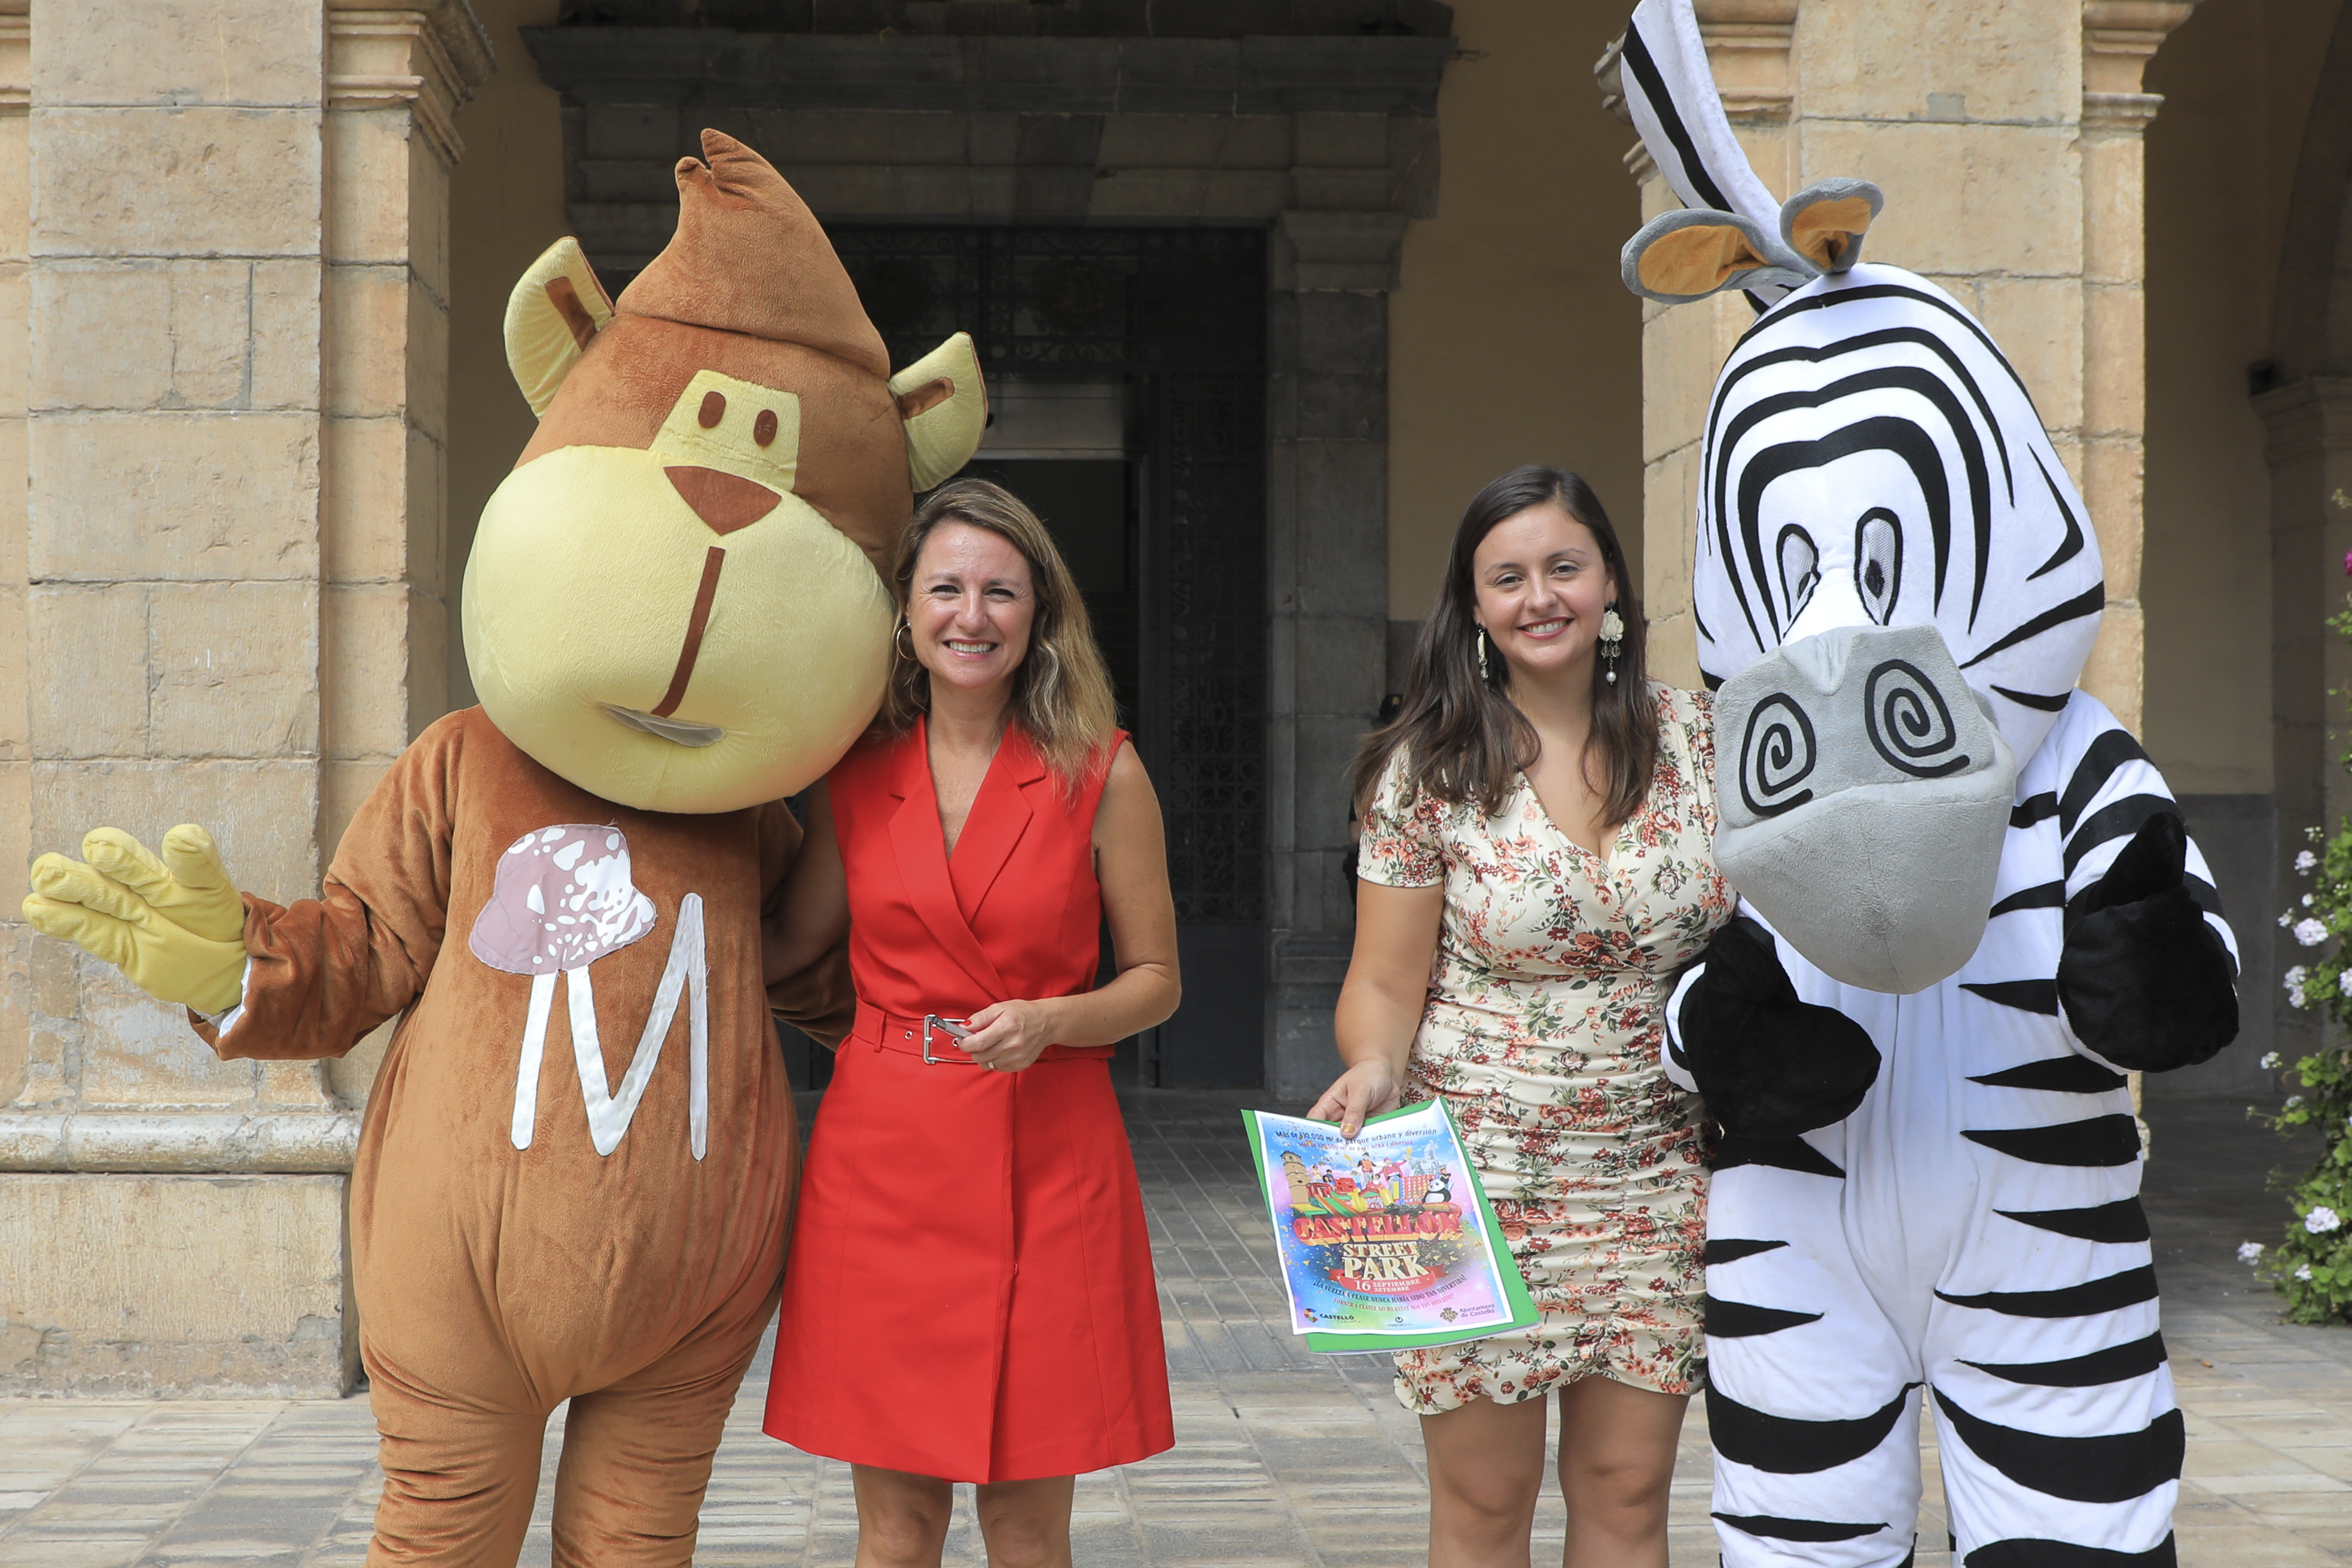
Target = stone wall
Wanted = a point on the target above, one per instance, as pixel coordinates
(225, 606)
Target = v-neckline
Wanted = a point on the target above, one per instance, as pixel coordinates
(963, 830)
(1615, 839)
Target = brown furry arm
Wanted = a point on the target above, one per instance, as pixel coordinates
(817, 1000)
(322, 972)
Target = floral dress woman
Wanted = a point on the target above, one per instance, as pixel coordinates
(1542, 1035)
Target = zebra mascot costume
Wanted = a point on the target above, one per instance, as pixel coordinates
(1968, 906)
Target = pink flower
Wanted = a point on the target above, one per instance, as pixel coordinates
(2347, 563)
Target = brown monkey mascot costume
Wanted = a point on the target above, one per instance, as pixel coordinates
(673, 617)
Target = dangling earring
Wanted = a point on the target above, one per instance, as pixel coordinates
(1486, 675)
(903, 640)
(1612, 639)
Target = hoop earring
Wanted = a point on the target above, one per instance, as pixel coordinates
(1486, 671)
(1612, 638)
(905, 648)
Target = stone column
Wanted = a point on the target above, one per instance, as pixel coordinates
(210, 330)
(1329, 584)
(2310, 453)
(15, 245)
(2118, 37)
(394, 80)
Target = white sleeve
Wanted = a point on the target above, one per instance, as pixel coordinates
(2112, 789)
(1677, 1066)
(222, 1023)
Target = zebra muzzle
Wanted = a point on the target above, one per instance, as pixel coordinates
(1871, 803)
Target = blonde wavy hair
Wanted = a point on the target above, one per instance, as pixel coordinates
(1062, 694)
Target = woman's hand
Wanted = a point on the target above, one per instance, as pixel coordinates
(1365, 1089)
(1008, 1036)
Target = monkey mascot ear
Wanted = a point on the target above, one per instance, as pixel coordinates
(556, 308)
(945, 405)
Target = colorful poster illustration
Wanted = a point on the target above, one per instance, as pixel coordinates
(1386, 1240)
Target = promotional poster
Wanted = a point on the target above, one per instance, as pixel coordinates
(1387, 1241)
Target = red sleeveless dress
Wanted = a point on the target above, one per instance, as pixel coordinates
(970, 1291)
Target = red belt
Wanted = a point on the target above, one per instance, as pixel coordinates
(923, 1038)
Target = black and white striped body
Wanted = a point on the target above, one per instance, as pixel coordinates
(1967, 1223)
(1973, 1229)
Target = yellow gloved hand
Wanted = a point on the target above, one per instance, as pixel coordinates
(175, 926)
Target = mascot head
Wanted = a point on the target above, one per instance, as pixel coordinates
(675, 599)
(1896, 583)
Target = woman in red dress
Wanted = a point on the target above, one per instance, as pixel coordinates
(970, 1295)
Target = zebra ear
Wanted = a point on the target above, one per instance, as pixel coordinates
(1692, 253)
(1824, 223)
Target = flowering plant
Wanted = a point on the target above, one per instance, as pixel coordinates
(2312, 1266)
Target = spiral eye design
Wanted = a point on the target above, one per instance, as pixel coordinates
(1910, 723)
(1777, 753)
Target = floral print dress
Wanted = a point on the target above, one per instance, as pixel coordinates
(1543, 1034)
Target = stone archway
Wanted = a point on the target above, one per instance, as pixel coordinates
(2307, 415)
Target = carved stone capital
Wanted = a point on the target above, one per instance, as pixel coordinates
(1747, 48)
(2118, 37)
(2314, 415)
(429, 56)
(1359, 252)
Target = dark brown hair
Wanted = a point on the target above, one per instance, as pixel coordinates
(1462, 737)
(1062, 693)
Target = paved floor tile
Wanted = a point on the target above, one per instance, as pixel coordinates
(1284, 1459)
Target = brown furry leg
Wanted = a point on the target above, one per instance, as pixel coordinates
(637, 1456)
(458, 1479)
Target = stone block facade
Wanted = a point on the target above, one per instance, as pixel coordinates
(158, 1287)
(225, 278)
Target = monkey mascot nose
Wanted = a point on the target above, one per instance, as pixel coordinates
(724, 501)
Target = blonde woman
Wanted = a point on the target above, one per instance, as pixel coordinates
(970, 1295)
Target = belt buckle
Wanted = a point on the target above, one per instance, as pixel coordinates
(932, 1021)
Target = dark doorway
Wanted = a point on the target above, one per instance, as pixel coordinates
(1089, 505)
(1129, 371)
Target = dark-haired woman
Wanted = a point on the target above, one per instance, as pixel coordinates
(969, 1295)
(1535, 865)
